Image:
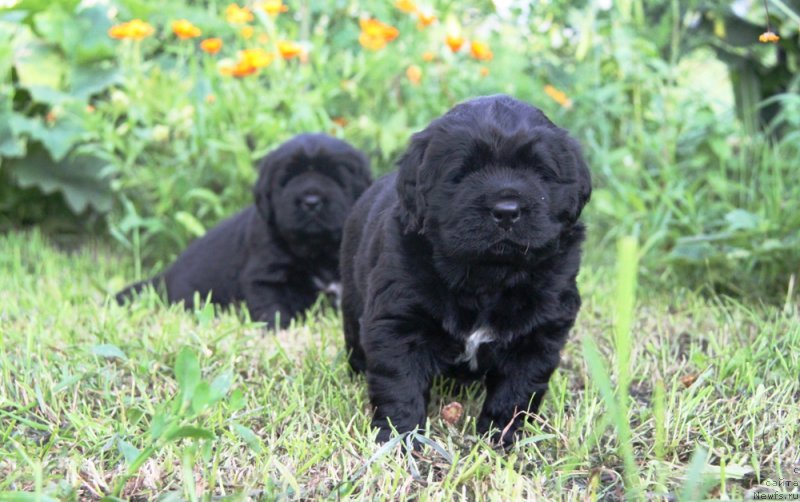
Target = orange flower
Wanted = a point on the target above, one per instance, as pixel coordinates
(247, 32)
(558, 96)
(768, 36)
(135, 29)
(484, 71)
(239, 68)
(428, 56)
(238, 15)
(211, 45)
(454, 42)
(185, 30)
(407, 6)
(258, 58)
(211, 99)
(51, 117)
(340, 121)
(414, 74)
(425, 19)
(375, 34)
(480, 51)
(289, 50)
(263, 38)
(273, 7)
(90, 109)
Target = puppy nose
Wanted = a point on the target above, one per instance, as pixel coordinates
(311, 202)
(506, 213)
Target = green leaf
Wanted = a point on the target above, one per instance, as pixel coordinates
(187, 372)
(201, 397)
(87, 80)
(189, 431)
(190, 223)
(25, 497)
(248, 436)
(220, 386)
(158, 425)
(739, 219)
(78, 177)
(37, 62)
(127, 450)
(108, 351)
(11, 144)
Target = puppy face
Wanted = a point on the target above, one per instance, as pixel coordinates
(307, 186)
(493, 182)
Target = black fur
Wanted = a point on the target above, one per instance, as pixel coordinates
(426, 262)
(276, 255)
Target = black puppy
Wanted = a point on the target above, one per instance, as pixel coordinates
(463, 263)
(280, 253)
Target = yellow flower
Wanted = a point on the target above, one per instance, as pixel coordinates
(454, 42)
(425, 19)
(558, 96)
(211, 45)
(185, 30)
(238, 15)
(480, 51)
(768, 36)
(414, 74)
(289, 50)
(211, 99)
(247, 32)
(273, 7)
(428, 56)
(135, 29)
(258, 58)
(407, 6)
(375, 34)
(484, 71)
(263, 38)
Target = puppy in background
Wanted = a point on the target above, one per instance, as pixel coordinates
(463, 263)
(277, 255)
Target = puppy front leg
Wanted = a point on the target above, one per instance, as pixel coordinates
(517, 385)
(399, 373)
(265, 303)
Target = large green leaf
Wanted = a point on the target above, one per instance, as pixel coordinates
(86, 80)
(11, 144)
(58, 138)
(37, 62)
(78, 177)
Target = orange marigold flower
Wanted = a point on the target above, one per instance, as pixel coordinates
(558, 96)
(425, 19)
(484, 71)
(258, 58)
(407, 6)
(247, 32)
(238, 15)
(414, 74)
(340, 121)
(289, 50)
(273, 7)
(135, 29)
(263, 38)
(211, 98)
(768, 36)
(185, 30)
(90, 109)
(211, 45)
(428, 56)
(480, 51)
(454, 42)
(51, 117)
(241, 68)
(375, 34)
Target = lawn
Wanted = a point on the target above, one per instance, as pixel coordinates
(151, 401)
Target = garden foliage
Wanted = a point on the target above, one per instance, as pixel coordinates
(150, 130)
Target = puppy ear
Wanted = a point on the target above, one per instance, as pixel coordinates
(583, 181)
(361, 175)
(412, 203)
(262, 189)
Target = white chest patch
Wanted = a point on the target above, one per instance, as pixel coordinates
(333, 289)
(474, 341)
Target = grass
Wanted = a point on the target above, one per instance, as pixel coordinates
(99, 400)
